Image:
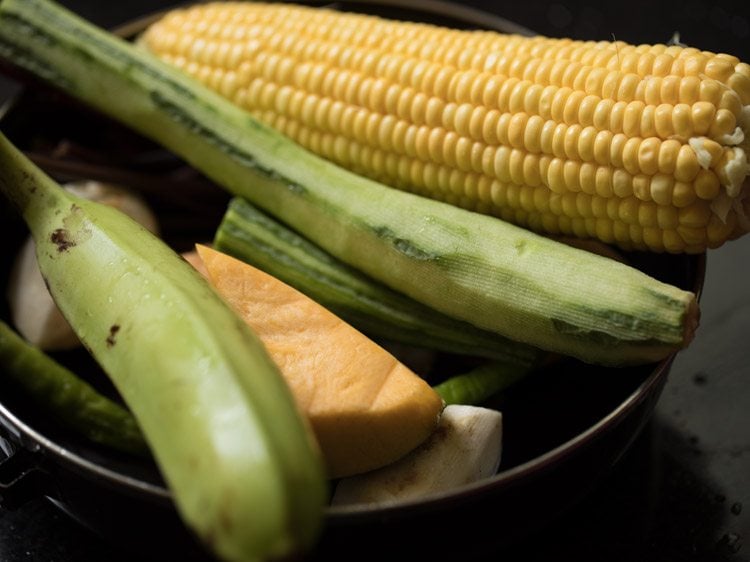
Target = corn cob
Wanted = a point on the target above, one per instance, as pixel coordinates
(644, 147)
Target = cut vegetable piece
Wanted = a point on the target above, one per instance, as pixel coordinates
(66, 397)
(366, 408)
(465, 448)
(254, 237)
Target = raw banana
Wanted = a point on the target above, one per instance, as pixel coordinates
(32, 309)
(244, 470)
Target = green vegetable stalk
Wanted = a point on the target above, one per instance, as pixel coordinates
(481, 383)
(66, 396)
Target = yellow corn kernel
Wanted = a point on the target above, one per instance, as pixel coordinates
(642, 187)
(740, 83)
(632, 144)
(683, 194)
(723, 124)
(718, 231)
(647, 215)
(707, 185)
(667, 217)
(662, 189)
(687, 166)
(695, 215)
(692, 237)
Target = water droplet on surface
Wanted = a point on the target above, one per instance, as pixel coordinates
(736, 508)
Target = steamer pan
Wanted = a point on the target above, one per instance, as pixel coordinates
(565, 426)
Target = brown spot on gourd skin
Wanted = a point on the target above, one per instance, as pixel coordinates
(225, 519)
(61, 238)
(74, 232)
(113, 329)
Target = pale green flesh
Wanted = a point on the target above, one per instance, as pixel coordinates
(216, 413)
(472, 267)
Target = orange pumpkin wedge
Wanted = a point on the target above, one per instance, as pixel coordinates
(366, 408)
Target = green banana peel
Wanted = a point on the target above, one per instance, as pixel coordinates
(241, 462)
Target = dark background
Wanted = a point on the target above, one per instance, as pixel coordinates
(714, 26)
(682, 493)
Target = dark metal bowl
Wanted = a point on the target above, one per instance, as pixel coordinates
(565, 426)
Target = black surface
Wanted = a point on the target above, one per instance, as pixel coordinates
(682, 493)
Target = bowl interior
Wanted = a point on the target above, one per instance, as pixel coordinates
(548, 411)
